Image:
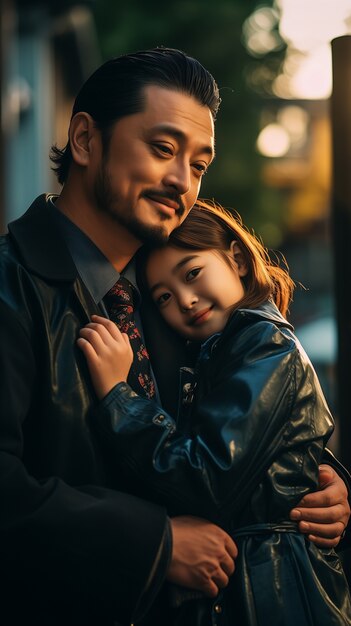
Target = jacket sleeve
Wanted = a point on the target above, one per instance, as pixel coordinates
(260, 400)
(98, 545)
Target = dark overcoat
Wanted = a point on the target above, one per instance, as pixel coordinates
(73, 550)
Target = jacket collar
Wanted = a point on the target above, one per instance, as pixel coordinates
(40, 244)
(240, 317)
(268, 311)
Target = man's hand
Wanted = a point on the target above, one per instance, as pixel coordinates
(203, 555)
(324, 515)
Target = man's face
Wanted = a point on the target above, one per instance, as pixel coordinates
(151, 175)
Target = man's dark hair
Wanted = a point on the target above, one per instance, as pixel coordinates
(115, 90)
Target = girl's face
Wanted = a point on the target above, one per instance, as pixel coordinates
(195, 290)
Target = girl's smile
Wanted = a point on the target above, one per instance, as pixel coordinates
(201, 317)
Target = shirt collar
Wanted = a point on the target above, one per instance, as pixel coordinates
(95, 270)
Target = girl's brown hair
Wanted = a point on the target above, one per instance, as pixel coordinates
(209, 226)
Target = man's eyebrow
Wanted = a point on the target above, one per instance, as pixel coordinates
(181, 136)
(176, 268)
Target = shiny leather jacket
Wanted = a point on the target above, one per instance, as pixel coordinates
(245, 455)
(73, 550)
(258, 426)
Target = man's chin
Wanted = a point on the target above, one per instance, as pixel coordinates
(151, 235)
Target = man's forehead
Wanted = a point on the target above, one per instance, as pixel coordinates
(157, 95)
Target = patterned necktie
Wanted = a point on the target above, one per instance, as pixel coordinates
(119, 303)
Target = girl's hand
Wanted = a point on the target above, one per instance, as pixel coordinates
(108, 353)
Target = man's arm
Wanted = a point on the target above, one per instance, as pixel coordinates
(59, 538)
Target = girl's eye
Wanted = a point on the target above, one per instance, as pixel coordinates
(192, 274)
(163, 298)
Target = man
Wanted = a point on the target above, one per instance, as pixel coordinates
(74, 549)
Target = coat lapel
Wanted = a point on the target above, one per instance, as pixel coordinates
(44, 252)
(40, 245)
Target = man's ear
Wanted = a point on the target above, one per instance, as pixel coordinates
(237, 255)
(81, 132)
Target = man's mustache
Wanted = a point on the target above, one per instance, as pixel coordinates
(174, 197)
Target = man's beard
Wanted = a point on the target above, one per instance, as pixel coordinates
(107, 202)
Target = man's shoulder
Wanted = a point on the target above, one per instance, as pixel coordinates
(18, 236)
(30, 254)
(9, 256)
(35, 242)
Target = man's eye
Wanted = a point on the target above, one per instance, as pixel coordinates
(192, 274)
(162, 298)
(201, 168)
(165, 149)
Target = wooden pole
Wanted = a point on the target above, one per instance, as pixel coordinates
(341, 227)
(2, 85)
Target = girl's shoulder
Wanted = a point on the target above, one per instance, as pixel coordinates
(259, 328)
(263, 319)
(267, 311)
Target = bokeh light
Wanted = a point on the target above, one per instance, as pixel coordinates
(273, 141)
(308, 26)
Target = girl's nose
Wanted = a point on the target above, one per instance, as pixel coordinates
(187, 302)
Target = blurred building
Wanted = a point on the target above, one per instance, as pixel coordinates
(48, 48)
(293, 74)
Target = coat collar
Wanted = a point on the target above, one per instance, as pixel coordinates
(40, 244)
(268, 311)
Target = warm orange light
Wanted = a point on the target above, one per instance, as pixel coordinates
(273, 141)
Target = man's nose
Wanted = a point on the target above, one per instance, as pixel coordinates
(178, 176)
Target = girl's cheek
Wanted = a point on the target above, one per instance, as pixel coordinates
(171, 317)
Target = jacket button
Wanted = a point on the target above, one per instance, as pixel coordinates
(158, 419)
(217, 608)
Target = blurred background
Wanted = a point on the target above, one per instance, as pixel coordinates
(273, 63)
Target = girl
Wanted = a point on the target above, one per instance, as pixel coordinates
(251, 428)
